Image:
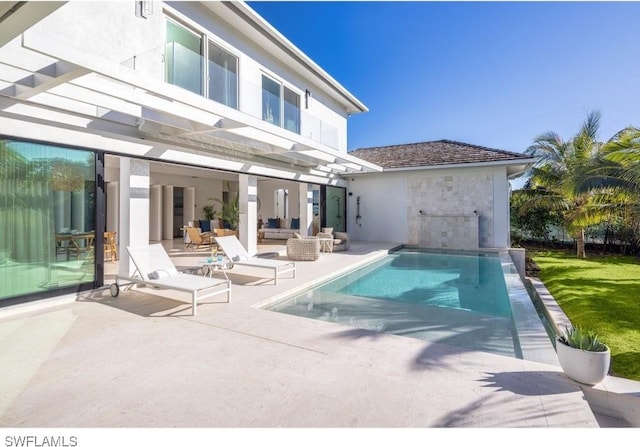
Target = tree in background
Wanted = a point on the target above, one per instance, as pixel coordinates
(563, 172)
(534, 213)
(618, 192)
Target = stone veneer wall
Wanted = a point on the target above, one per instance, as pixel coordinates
(442, 209)
(454, 232)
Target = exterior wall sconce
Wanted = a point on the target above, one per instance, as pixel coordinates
(307, 98)
(144, 9)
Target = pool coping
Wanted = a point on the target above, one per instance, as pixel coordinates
(535, 343)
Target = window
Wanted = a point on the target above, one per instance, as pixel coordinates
(280, 105)
(291, 111)
(270, 101)
(183, 61)
(223, 76)
(185, 67)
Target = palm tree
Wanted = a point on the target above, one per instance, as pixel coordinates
(564, 171)
(621, 179)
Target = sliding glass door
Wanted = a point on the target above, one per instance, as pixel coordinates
(334, 200)
(47, 218)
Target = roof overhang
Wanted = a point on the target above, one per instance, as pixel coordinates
(54, 84)
(515, 168)
(240, 15)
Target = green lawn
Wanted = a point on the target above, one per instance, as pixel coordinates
(601, 293)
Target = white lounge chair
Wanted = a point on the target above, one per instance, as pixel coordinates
(234, 250)
(154, 267)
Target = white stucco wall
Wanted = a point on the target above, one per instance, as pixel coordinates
(383, 207)
(109, 30)
(390, 203)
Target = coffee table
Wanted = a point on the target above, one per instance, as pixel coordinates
(211, 265)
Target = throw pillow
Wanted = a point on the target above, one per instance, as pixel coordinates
(205, 225)
(273, 223)
(327, 230)
(295, 223)
(161, 273)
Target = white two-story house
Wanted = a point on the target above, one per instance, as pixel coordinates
(122, 122)
(130, 117)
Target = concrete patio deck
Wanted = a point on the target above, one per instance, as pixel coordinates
(141, 360)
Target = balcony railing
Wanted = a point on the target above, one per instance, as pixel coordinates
(182, 67)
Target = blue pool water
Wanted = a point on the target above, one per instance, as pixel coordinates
(458, 298)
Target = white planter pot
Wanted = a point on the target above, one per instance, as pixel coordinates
(586, 367)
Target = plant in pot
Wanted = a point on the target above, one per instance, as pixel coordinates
(209, 212)
(230, 212)
(582, 356)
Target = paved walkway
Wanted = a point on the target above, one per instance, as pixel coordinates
(142, 360)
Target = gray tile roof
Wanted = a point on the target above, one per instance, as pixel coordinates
(433, 153)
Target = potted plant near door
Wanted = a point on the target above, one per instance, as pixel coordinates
(230, 212)
(209, 212)
(582, 356)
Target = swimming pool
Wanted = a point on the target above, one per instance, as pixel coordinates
(455, 298)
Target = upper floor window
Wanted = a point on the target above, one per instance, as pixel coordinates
(223, 76)
(183, 58)
(185, 67)
(280, 105)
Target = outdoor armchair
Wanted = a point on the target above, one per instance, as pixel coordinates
(198, 239)
(303, 249)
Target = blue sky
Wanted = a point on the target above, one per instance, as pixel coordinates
(495, 74)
